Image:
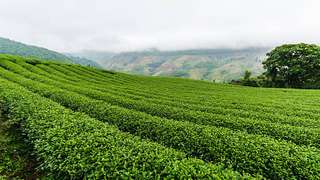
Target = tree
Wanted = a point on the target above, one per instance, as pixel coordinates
(247, 75)
(247, 80)
(293, 65)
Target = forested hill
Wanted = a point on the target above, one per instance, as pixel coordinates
(206, 64)
(8, 46)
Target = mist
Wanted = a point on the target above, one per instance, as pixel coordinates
(126, 25)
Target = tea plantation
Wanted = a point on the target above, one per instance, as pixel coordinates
(62, 121)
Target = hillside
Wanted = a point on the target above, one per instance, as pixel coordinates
(8, 46)
(207, 64)
(81, 122)
(83, 61)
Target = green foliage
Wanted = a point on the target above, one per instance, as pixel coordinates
(272, 132)
(74, 145)
(294, 65)
(15, 159)
(247, 75)
(244, 152)
(247, 80)
(297, 115)
(177, 113)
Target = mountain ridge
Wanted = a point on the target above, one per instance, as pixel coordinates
(217, 65)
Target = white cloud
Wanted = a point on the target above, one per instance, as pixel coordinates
(71, 25)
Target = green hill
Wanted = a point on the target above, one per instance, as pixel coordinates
(82, 122)
(8, 46)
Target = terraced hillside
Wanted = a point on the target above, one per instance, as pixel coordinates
(85, 122)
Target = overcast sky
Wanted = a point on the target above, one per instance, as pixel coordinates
(122, 25)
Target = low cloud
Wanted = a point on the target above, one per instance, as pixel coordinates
(126, 25)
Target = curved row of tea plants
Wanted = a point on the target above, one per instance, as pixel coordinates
(124, 92)
(259, 108)
(244, 152)
(74, 145)
(309, 111)
(208, 88)
(298, 135)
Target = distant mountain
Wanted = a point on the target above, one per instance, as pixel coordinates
(206, 64)
(98, 56)
(83, 61)
(8, 46)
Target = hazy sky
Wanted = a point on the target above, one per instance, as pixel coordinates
(121, 25)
